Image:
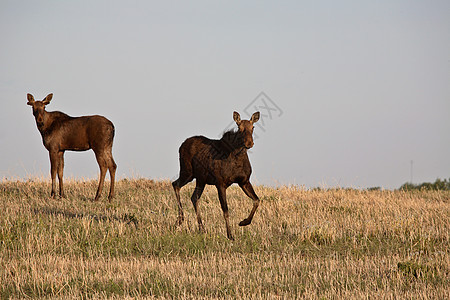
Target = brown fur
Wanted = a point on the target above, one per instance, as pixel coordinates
(61, 132)
(220, 163)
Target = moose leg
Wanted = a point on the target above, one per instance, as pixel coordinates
(199, 187)
(248, 190)
(54, 163)
(223, 203)
(112, 173)
(103, 167)
(60, 173)
(184, 178)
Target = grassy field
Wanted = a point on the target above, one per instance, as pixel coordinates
(327, 244)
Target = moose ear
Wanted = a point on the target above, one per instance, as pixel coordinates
(30, 99)
(255, 117)
(236, 117)
(47, 99)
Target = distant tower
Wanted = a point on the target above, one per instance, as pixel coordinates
(411, 172)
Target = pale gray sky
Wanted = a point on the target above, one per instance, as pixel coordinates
(363, 87)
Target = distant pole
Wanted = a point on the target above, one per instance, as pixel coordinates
(411, 172)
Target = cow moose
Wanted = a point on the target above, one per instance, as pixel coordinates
(220, 163)
(61, 132)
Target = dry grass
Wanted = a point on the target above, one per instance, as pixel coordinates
(302, 244)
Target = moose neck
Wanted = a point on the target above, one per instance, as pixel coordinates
(233, 142)
(46, 123)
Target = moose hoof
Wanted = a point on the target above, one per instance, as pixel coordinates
(245, 222)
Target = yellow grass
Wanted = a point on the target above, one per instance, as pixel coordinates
(302, 243)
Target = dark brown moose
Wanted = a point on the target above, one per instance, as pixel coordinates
(220, 163)
(61, 132)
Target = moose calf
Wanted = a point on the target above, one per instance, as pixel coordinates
(220, 163)
(61, 132)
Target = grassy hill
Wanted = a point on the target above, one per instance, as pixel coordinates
(302, 243)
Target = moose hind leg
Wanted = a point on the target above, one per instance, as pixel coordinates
(248, 190)
(199, 187)
(101, 160)
(112, 173)
(223, 203)
(185, 177)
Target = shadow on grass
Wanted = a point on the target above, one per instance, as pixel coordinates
(126, 218)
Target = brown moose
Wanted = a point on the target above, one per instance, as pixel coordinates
(220, 163)
(61, 132)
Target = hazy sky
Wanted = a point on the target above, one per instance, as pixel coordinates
(356, 89)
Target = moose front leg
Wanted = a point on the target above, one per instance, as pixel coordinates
(248, 190)
(54, 165)
(60, 173)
